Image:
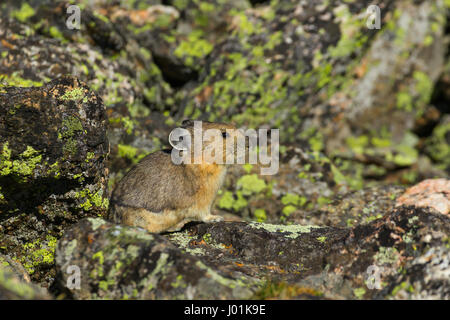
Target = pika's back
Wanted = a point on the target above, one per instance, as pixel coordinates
(154, 184)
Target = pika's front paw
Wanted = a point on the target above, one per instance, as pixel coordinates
(212, 218)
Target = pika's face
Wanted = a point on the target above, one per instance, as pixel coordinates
(210, 142)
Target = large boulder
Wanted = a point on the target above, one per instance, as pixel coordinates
(53, 149)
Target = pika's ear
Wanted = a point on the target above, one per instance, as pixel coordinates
(187, 123)
(180, 139)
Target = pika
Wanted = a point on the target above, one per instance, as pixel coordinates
(161, 195)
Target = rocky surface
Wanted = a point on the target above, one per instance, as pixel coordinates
(363, 115)
(405, 254)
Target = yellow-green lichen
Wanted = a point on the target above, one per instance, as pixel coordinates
(251, 184)
(89, 199)
(195, 46)
(24, 13)
(37, 253)
(74, 94)
(23, 166)
(14, 80)
(293, 231)
(260, 215)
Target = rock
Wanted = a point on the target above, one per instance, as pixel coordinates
(14, 288)
(53, 149)
(16, 267)
(433, 193)
(244, 260)
(352, 208)
(119, 262)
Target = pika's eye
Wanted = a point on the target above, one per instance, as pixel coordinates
(225, 135)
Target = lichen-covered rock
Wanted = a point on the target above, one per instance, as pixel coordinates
(405, 249)
(14, 288)
(353, 208)
(53, 150)
(120, 262)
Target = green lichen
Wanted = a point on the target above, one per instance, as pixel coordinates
(229, 202)
(293, 231)
(387, 255)
(182, 240)
(438, 147)
(251, 184)
(351, 36)
(90, 200)
(179, 282)
(405, 285)
(70, 126)
(229, 283)
(56, 33)
(359, 292)
(75, 94)
(193, 47)
(14, 80)
(127, 122)
(98, 272)
(260, 215)
(37, 253)
(131, 153)
(23, 165)
(24, 13)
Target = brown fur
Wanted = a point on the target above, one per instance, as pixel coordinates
(160, 196)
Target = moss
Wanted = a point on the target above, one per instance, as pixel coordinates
(70, 147)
